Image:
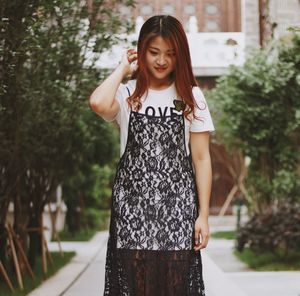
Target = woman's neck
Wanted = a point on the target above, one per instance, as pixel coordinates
(159, 85)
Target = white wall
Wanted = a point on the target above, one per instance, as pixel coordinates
(250, 22)
(285, 13)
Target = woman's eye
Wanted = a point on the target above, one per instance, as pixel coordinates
(153, 52)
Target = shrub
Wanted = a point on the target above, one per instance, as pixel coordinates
(257, 108)
(275, 229)
(96, 219)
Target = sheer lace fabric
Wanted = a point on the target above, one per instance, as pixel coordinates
(155, 273)
(154, 206)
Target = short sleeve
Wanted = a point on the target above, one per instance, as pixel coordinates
(121, 95)
(202, 121)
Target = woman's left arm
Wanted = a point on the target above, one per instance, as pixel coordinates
(199, 142)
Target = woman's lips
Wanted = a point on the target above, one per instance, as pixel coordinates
(160, 69)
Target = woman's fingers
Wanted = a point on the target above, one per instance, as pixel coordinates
(197, 235)
(131, 55)
(204, 241)
(201, 240)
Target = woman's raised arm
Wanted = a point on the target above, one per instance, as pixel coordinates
(102, 100)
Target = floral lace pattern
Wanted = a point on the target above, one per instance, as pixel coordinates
(155, 201)
(153, 273)
(154, 207)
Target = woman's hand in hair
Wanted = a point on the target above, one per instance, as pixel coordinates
(103, 100)
(127, 61)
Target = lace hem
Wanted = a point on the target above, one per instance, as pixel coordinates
(153, 273)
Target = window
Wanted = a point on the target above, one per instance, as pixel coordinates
(189, 9)
(211, 9)
(168, 9)
(146, 9)
(211, 26)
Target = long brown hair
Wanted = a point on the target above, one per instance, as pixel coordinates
(171, 30)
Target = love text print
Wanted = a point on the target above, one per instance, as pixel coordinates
(161, 112)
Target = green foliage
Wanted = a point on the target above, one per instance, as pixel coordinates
(46, 83)
(30, 284)
(96, 219)
(258, 109)
(48, 133)
(80, 236)
(100, 189)
(276, 229)
(294, 29)
(93, 183)
(270, 261)
(86, 194)
(224, 234)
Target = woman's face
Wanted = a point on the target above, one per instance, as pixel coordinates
(160, 60)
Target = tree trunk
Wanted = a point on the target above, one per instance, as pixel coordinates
(3, 234)
(34, 238)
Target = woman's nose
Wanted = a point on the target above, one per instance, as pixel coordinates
(161, 60)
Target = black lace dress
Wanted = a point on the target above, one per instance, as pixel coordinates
(154, 207)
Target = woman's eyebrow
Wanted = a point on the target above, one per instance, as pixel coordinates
(152, 47)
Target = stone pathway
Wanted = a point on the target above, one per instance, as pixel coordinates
(91, 281)
(224, 274)
(258, 283)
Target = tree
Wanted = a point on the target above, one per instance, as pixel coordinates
(44, 114)
(259, 113)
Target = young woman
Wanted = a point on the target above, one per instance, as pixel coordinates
(161, 192)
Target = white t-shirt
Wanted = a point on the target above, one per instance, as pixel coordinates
(160, 102)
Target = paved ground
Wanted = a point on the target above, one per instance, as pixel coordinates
(80, 271)
(221, 251)
(268, 283)
(91, 281)
(223, 274)
(258, 283)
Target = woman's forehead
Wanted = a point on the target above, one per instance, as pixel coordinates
(161, 43)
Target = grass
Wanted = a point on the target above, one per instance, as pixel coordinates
(266, 261)
(270, 261)
(79, 236)
(28, 282)
(224, 234)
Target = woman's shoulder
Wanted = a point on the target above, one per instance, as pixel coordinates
(200, 99)
(202, 121)
(125, 88)
(130, 84)
(197, 92)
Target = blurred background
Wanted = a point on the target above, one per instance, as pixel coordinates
(58, 158)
